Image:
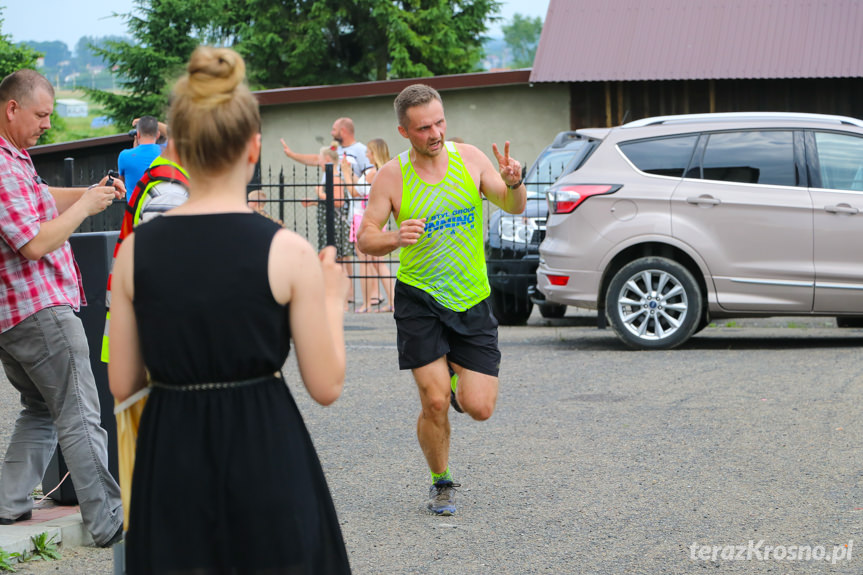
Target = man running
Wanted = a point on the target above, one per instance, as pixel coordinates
(447, 334)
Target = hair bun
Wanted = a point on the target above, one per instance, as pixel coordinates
(214, 73)
(213, 114)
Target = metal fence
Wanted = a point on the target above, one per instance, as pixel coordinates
(290, 197)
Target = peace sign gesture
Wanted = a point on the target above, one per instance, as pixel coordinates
(510, 168)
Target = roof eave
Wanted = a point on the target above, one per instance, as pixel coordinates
(565, 80)
(80, 144)
(303, 94)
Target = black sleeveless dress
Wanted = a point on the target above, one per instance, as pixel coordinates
(226, 479)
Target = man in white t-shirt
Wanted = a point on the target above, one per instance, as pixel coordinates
(349, 147)
(350, 150)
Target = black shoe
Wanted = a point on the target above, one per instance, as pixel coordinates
(118, 536)
(24, 517)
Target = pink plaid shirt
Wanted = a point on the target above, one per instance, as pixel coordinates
(28, 286)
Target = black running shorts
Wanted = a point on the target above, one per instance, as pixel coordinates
(427, 330)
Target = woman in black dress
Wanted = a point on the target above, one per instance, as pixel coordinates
(207, 299)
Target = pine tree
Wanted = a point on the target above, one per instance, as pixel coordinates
(165, 34)
(14, 56)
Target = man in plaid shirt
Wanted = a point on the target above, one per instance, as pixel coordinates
(43, 347)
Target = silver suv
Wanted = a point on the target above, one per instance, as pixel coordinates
(674, 221)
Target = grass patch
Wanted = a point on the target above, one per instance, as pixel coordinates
(44, 548)
(6, 560)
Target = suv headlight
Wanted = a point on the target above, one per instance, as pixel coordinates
(517, 229)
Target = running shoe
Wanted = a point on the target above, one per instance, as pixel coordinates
(442, 497)
(453, 382)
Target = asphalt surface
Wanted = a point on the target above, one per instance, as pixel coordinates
(734, 454)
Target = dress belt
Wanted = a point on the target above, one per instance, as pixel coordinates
(217, 385)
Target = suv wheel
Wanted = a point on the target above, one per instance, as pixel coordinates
(510, 309)
(552, 310)
(654, 303)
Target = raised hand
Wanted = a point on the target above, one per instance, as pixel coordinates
(336, 282)
(347, 169)
(510, 168)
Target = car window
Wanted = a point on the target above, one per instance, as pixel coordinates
(549, 166)
(661, 156)
(841, 160)
(751, 157)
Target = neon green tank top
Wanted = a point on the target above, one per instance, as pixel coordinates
(448, 261)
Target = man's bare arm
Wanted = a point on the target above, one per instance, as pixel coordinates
(371, 238)
(64, 198)
(307, 159)
(54, 233)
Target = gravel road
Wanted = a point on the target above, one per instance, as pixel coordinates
(599, 460)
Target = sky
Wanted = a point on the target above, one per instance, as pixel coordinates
(69, 20)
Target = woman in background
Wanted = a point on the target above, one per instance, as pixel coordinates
(206, 299)
(341, 227)
(357, 191)
(378, 154)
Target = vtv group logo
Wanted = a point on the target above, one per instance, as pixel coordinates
(451, 220)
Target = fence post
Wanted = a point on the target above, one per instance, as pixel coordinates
(330, 205)
(68, 172)
(281, 191)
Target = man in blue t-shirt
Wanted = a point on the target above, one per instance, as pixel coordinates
(134, 162)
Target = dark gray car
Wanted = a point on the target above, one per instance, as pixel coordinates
(512, 247)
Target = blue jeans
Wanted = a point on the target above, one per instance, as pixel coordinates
(47, 359)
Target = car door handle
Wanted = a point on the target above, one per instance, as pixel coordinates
(841, 209)
(703, 201)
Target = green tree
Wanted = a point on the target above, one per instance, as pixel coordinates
(54, 52)
(300, 43)
(57, 62)
(85, 55)
(14, 56)
(522, 37)
(165, 34)
(293, 43)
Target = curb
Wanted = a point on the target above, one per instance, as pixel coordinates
(67, 530)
